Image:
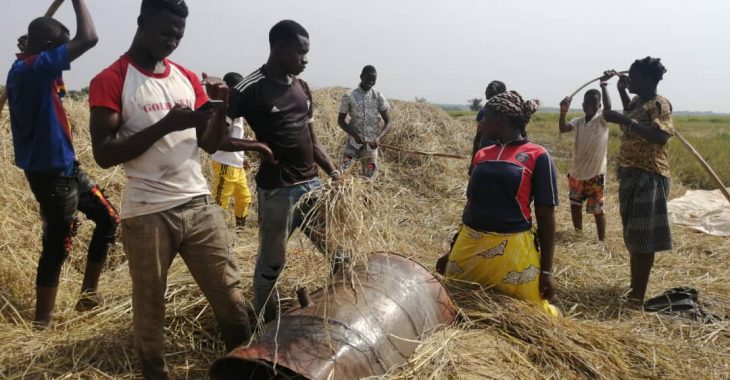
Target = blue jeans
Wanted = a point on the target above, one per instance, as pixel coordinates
(278, 217)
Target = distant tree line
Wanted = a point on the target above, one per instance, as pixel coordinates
(78, 95)
(475, 104)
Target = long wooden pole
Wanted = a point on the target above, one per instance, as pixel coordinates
(53, 8)
(431, 154)
(3, 100)
(591, 81)
(704, 164)
(49, 13)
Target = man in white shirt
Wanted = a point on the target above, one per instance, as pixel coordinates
(587, 174)
(151, 115)
(229, 168)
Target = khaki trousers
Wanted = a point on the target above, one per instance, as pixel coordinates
(197, 231)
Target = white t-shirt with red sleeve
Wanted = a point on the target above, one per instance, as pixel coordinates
(168, 174)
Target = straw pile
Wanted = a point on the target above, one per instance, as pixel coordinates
(413, 207)
(345, 220)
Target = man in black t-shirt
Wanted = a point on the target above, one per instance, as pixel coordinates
(278, 107)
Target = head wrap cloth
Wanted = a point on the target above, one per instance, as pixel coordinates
(510, 103)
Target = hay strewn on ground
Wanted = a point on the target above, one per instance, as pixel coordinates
(423, 198)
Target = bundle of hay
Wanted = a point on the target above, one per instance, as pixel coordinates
(348, 219)
(417, 127)
(519, 340)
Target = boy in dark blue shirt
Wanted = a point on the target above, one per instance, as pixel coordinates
(43, 149)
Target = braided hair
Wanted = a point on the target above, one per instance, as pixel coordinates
(650, 67)
(517, 110)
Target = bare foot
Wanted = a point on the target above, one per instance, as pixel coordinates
(634, 302)
(41, 325)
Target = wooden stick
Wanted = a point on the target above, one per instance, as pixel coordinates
(3, 99)
(704, 164)
(591, 81)
(53, 8)
(49, 13)
(431, 154)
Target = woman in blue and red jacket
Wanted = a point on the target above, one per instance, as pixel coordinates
(499, 245)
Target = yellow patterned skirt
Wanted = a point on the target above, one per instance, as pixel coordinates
(510, 263)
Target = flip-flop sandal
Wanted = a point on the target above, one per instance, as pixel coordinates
(670, 302)
(684, 289)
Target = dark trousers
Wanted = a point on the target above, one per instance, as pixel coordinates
(59, 197)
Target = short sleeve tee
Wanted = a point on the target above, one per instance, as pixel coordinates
(235, 159)
(168, 174)
(279, 115)
(41, 133)
(590, 147)
(364, 108)
(636, 151)
(505, 182)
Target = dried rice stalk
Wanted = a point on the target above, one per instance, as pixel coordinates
(346, 219)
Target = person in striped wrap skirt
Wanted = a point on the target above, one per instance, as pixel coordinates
(643, 169)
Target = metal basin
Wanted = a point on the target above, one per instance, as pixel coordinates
(342, 332)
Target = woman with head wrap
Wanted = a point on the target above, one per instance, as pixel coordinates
(498, 245)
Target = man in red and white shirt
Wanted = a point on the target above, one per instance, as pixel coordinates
(146, 114)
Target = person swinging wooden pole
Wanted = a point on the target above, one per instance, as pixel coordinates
(49, 13)
(681, 138)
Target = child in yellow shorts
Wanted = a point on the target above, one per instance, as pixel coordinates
(229, 169)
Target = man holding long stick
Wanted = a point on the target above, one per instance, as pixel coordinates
(43, 149)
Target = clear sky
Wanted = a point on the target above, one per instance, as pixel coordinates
(444, 51)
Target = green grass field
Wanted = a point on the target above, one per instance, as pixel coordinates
(710, 135)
